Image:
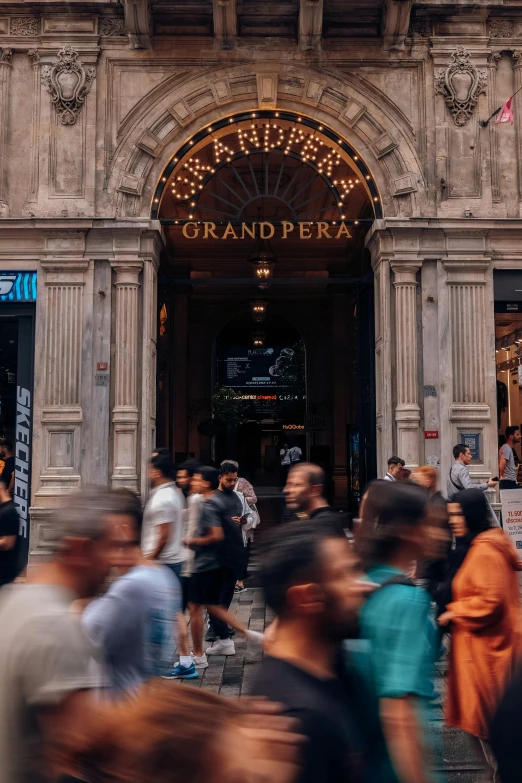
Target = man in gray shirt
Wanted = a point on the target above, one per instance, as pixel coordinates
(44, 657)
(459, 477)
(506, 459)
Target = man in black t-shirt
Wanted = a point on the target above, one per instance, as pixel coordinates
(9, 529)
(7, 476)
(311, 580)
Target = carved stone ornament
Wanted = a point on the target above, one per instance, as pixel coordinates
(112, 26)
(461, 84)
(69, 82)
(500, 28)
(6, 56)
(25, 25)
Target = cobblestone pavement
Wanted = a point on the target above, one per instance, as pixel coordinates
(232, 676)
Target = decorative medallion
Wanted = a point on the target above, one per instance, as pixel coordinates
(25, 25)
(112, 26)
(69, 82)
(500, 28)
(461, 84)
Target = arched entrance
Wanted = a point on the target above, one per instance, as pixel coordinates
(269, 207)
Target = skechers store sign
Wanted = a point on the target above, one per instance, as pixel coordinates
(17, 286)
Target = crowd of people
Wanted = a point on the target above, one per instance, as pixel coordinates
(95, 637)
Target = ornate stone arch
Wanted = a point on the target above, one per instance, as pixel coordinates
(177, 108)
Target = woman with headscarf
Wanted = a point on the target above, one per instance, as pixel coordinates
(485, 617)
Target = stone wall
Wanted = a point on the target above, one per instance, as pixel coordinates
(92, 107)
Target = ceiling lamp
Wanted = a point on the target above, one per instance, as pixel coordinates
(258, 339)
(263, 260)
(258, 311)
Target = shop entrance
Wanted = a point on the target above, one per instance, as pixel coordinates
(265, 300)
(17, 295)
(508, 352)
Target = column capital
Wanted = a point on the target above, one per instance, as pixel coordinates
(405, 272)
(127, 271)
(471, 270)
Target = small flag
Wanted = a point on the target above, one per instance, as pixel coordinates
(506, 112)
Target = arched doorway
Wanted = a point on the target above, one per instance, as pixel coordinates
(269, 206)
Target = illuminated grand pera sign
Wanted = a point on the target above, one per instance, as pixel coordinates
(266, 230)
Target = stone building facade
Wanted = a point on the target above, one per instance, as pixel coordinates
(96, 98)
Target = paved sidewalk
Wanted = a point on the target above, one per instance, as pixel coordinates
(231, 675)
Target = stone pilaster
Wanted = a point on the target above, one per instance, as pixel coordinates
(383, 363)
(34, 172)
(468, 339)
(6, 56)
(125, 413)
(407, 409)
(61, 413)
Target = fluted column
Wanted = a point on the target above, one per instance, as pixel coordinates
(125, 413)
(6, 56)
(34, 172)
(407, 409)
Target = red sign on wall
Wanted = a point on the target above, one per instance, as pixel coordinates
(102, 366)
(431, 434)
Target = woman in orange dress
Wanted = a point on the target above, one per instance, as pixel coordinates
(485, 616)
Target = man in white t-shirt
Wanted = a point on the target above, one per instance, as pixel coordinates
(163, 531)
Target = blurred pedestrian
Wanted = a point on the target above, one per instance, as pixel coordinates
(163, 531)
(398, 625)
(311, 580)
(190, 735)
(305, 493)
(44, 655)
(395, 469)
(433, 573)
(9, 537)
(184, 475)
(132, 623)
(506, 459)
(504, 732)
(246, 489)
(485, 617)
(459, 477)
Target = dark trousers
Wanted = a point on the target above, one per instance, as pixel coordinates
(225, 599)
(507, 484)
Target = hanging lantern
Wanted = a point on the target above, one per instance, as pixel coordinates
(258, 311)
(263, 261)
(258, 339)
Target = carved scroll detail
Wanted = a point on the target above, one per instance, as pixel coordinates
(461, 84)
(69, 82)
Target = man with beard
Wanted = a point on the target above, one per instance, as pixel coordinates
(305, 495)
(311, 579)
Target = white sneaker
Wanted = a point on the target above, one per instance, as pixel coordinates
(200, 661)
(222, 647)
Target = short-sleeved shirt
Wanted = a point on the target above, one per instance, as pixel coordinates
(132, 626)
(210, 557)
(234, 553)
(510, 471)
(397, 623)
(329, 718)
(166, 504)
(9, 558)
(44, 657)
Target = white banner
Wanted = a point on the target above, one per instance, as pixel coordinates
(511, 500)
